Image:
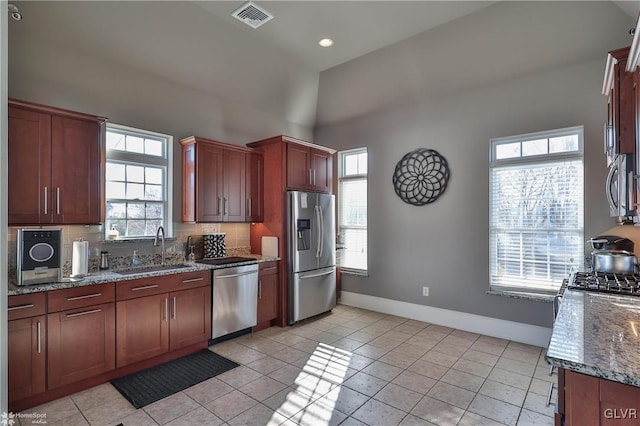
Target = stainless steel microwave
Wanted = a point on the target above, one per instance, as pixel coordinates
(620, 188)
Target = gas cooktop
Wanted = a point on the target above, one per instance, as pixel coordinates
(623, 284)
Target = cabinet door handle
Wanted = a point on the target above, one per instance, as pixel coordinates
(166, 308)
(249, 207)
(39, 327)
(45, 200)
(58, 200)
(145, 287)
(175, 308)
(79, 314)
(259, 289)
(88, 296)
(309, 176)
(192, 280)
(314, 177)
(15, 308)
(226, 206)
(219, 202)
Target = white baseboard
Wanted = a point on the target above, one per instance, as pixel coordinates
(510, 330)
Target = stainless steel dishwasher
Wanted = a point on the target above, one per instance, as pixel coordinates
(235, 299)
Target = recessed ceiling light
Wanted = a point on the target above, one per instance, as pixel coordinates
(326, 42)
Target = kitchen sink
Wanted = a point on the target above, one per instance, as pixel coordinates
(145, 269)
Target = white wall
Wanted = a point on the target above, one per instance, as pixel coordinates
(445, 245)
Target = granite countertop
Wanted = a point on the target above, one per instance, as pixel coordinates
(598, 334)
(113, 275)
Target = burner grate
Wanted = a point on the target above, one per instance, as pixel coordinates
(625, 284)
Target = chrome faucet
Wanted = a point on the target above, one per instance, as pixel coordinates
(155, 243)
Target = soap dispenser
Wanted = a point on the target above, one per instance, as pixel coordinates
(135, 260)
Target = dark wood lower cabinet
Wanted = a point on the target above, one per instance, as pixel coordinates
(190, 317)
(64, 341)
(590, 400)
(268, 280)
(27, 358)
(143, 328)
(81, 343)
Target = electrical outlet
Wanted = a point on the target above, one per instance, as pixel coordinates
(425, 291)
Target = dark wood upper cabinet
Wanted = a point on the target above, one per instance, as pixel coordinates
(255, 187)
(56, 166)
(309, 168)
(219, 183)
(322, 170)
(234, 180)
(298, 167)
(619, 87)
(29, 167)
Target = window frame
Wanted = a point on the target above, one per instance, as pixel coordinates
(342, 157)
(164, 162)
(522, 161)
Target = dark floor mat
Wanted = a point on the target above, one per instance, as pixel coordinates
(150, 385)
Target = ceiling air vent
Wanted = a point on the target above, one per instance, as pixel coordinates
(252, 15)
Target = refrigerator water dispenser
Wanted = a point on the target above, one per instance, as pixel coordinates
(303, 228)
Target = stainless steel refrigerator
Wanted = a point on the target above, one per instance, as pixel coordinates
(311, 254)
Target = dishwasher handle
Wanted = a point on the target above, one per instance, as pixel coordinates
(241, 274)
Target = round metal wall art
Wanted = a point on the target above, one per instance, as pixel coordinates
(421, 176)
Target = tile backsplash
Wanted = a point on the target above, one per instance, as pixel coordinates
(237, 240)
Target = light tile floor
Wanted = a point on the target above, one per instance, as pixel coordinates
(349, 367)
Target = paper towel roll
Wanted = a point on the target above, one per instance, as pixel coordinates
(80, 259)
(270, 246)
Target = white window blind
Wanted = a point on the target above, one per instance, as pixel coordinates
(137, 181)
(536, 210)
(352, 210)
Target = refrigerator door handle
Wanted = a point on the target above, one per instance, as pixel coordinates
(319, 230)
(322, 236)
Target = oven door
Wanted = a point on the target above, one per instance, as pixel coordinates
(620, 188)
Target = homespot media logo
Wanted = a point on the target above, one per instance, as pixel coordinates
(10, 419)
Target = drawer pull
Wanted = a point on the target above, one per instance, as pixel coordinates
(79, 314)
(87, 296)
(192, 280)
(145, 287)
(271, 268)
(15, 308)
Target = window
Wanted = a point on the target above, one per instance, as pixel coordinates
(536, 210)
(137, 180)
(352, 210)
